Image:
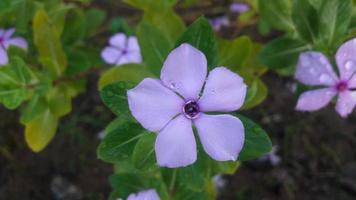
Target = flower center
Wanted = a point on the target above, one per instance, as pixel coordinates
(124, 52)
(1, 39)
(191, 109)
(341, 86)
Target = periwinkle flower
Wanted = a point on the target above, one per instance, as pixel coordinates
(122, 50)
(171, 106)
(239, 7)
(144, 195)
(6, 40)
(218, 22)
(314, 69)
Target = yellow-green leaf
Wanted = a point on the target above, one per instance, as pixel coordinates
(40, 131)
(48, 43)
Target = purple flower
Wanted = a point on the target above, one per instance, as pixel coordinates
(122, 50)
(6, 40)
(144, 195)
(314, 69)
(239, 7)
(171, 106)
(218, 22)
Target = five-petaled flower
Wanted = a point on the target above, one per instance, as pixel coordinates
(144, 195)
(6, 40)
(315, 69)
(171, 106)
(122, 50)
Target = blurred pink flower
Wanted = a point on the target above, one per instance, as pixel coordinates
(314, 69)
(6, 40)
(171, 105)
(122, 50)
(144, 195)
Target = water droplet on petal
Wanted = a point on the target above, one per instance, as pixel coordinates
(349, 65)
(325, 78)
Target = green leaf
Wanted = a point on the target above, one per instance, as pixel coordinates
(25, 10)
(306, 21)
(257, 142)
(40, 131)
(277, 13)
(94, 18)
(201, 36)
(154, 46)
(168, 22)
(75, 28)
(12, 97)
(335, 16)
(233, 54)
(152, 6)
(227, 167)
(115, 97)
(47, 40)
(118, 24)
(195, 176)
(256, 93)
(282, 52)
(133, 73)
(125, 184)
(60, 101)
(119, 143)
(34, 108)
(143, 156)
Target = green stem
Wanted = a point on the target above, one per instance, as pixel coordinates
(173, 181)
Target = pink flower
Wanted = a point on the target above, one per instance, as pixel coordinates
(122, 50)
(144, 195)
(171, 106)
(6, 40)
(315, 69)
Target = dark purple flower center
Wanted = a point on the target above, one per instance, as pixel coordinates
(341, 86)
(1, 39)
(124, 52)
(191, 109)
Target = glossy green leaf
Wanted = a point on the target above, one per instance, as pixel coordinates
(335, 16)
(143, 156)
(152, 6)
(41, 130)
(120, 142)
(130, 72)
(305, 18)
(125, 184)
(154, 46)
(36, 106)
(256, 93)
(201, 36)
(233, 54)
(47, 40)
(12, 97)
(75, 28)
(257, 141)
(277, 13)
(115, 97)
(282, 52)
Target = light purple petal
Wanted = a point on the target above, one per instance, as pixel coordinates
(110, 55)
(118, 40)
(132, 44)
(17, 41)
(184, 71)
(3, 56)
(144, 195)
(315, 99)
(314, 68)
(346, 102)
(239, 7)
(224, 91)
(133, 57)
(222, 136)
(346, 60)
(123, 60)
(8, 33)
(219, 22)
(175, 144)
(2, 31)
(153, 105)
